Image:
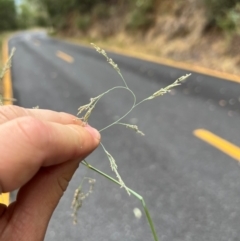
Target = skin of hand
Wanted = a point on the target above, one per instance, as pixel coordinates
(39, 152)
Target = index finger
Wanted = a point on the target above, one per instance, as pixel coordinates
(11, 112)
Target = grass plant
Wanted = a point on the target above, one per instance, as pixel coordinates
(87, 109)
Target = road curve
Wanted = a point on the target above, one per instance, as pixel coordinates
(188, 177)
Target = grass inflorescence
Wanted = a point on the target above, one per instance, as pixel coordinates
(80, 195)
(87, 110)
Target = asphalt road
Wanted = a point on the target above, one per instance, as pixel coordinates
(192, 189)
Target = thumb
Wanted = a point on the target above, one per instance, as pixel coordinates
(27, 144)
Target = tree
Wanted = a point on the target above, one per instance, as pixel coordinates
(8, 15)
(25, 16)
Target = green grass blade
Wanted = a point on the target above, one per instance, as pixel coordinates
(150, 222)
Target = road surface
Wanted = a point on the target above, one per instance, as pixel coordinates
(190, 178)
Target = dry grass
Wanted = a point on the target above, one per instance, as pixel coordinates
(209, 52)
(178, 34)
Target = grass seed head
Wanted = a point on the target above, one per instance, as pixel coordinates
(167, 89)
(135, 128)
(114, 169)
(88, 108)
(109, 60)
(80, 196)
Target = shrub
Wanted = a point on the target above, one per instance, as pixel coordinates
(145, 5)
(139, 20)
(84, 22)
(142, 15)
(102, 11)
(221, 13)
(8, 15)
(230, 21)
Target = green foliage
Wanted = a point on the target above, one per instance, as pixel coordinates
(139, 20)
(41, 20)
(84, 22)
(54, 7)
(142, 15)
(8, 15)
(56, 11)
(59, 12)
(102, 11)
(230, 21)
(145, 5)
(26, 16)
(86, 6)
(62, 13)
(30, 14)
(223, 13)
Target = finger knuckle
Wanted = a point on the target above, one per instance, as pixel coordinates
(63, 182)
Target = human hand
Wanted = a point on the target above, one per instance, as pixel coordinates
(39, 152)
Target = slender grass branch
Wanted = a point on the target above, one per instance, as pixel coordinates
(7, 65)
(89, 108)
(116, 87)
(124, 81)
(160, 92)
(150, 222)
(115, 122)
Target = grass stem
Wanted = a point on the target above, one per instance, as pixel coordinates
(150, 222)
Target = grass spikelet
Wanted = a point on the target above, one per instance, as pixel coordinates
(109, 60)
(133, 127)
(80, 196)
(114, 168)
(88, 108)
(167, 89)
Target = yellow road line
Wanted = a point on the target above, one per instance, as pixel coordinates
(5, 199)
(65, 57)
(8, 94)
(219, 143)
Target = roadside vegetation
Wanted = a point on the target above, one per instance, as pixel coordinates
(201, 32)
(140, 14)
(8, 20)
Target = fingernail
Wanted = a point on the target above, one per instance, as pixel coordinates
(95, 133)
